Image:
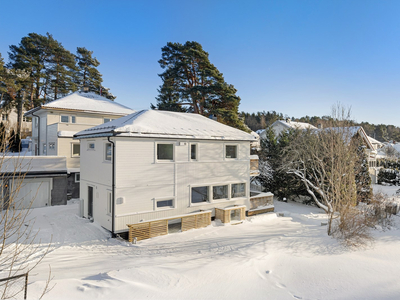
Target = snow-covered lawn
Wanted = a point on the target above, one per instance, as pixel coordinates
(266, 257)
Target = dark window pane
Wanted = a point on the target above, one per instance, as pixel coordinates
(193, 151)
(165, 151)
(238, 190)
(230, 152)
(64, 119)
(220, 192)
(108, 151)
(165, 203)
(76, 149)
(199, 194)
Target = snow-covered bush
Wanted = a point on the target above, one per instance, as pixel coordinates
(389, 176)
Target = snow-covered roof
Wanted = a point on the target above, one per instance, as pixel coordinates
(166, 124)
(86, 102)
(352, 131)
(34, 164)
(294, 125)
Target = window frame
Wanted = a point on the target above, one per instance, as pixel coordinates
(76, 177)
(91, 143)
(156, 200)
(110, 120)
(190, 151)
(245, 192)
(4, 117)
(105, 152)
(73, 119)
(72, 150)
(208, 194)
(61, 117)
(236, 152)
(227, 192)
(165, 160)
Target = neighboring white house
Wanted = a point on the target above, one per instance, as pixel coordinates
(55, 123)
(283, 125)
(9, 117)
(164, 166)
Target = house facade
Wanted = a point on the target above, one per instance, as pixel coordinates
(155, 166)
(55, 123)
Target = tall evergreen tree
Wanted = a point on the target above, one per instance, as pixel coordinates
(61, 70)
(191, 83)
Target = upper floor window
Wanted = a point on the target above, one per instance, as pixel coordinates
(165, 151)
(106, 120)
(108, 152)
(64, 119)
(230, 151)
(220, 192)
(73, 119)
(193, 151)
(4, 117)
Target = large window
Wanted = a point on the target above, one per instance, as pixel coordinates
(64, 119)
(238, 190)
(165, 203)
(231, 151)
(165, 151)
(4, 117)
(220, 192)
(199, 194)
(193, 151)
(76, 150)
(108, 152)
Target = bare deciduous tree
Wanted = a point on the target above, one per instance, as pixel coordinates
(20, 252)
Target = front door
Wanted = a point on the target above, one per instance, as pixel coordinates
(90, 201)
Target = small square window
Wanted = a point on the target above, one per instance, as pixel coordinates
(165, 151)
(4, 117)
(76, 150)
(231, 151)
(199, 194)
(91, 146)
(238, 190)
(73, 119)
(220, 192)
(64, 119)
(77, 177)
(52, 146)
(193, 151)
(108, 152)
(165, 203)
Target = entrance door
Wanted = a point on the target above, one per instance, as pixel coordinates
(90, 201)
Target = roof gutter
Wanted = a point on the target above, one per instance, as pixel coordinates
(113, 235)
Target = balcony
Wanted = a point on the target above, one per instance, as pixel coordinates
(254, 165)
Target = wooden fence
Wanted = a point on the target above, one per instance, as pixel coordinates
(146, 230)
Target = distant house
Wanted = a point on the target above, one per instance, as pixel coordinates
(283, 125)
(9, 117)
(153, 171)
(55, 123)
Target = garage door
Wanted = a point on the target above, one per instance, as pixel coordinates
(37, 191)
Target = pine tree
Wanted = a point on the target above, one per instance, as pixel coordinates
(191, 83)
(61, 70)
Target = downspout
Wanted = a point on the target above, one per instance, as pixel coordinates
(113, 235)
(38, 120)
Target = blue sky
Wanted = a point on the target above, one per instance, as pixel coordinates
(295, 57)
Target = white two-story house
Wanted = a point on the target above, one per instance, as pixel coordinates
(154, 169)
(55, 123)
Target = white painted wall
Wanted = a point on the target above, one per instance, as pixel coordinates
(141, 180)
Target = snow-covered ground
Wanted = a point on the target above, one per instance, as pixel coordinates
(266, 257)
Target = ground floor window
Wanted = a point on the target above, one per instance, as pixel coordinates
(165, 203)
(220, 192)
(238, 190)
(200, 194)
